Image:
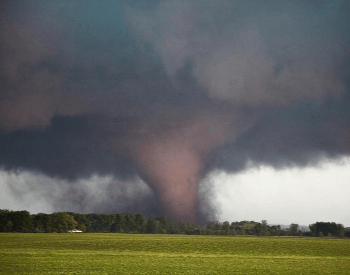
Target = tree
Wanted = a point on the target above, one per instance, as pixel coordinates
(42, 223)
(130, 222)
(81, 227)
(182, 227)
(4, 218)
(258, 229)
(151, 227)
(62, 222)
(120, 224)
(211, 225)
(157, 227)
(294, 229)
(9, 226)
(172, 228)
(141, 222)
(22, 221)
(192, 229)
(264, 228)
(334, 229)
(163, 224)
(275, 230)
(226, 227)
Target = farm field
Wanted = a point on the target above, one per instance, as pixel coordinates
(170, 254)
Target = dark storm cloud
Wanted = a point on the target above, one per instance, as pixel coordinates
(69, 148)
(171, 90)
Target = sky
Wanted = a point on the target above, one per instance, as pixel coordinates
(302, 196)
(197, 110)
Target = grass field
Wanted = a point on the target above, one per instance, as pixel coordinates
(170, 254)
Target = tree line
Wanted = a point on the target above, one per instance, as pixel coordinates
(23, 221)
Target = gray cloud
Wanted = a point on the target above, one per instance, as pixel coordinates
(168, 91)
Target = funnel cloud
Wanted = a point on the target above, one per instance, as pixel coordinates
(141, 100)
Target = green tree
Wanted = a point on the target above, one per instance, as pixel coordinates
(4, 218)
(22, 221)
(182, 227)
(9, 226)
(258, 229)
(151, 226)
(163, 226)
(211, 225)
(130, 222)
(333, 228)
(172, 228)
(141, 222)
(120, 224)
(226, 228)
(294, 229)
(62, 222)
(41, 223)
(264, 228)
(157, 227)
(81, 227)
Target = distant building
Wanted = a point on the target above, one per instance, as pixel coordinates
(75, 231)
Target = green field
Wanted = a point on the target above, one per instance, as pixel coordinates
(170, 254)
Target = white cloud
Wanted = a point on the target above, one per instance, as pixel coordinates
(301, 196)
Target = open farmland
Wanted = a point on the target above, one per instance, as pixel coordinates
(170, 254)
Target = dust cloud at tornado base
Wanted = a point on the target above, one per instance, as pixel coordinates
(124, 93)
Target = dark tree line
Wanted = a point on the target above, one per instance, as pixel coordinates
(329, 229)
(23, 221)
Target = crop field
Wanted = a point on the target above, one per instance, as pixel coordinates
(170, 254)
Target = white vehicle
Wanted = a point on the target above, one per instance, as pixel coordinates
(75, 231)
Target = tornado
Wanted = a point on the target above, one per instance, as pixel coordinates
(170, 158)
(146, 100)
